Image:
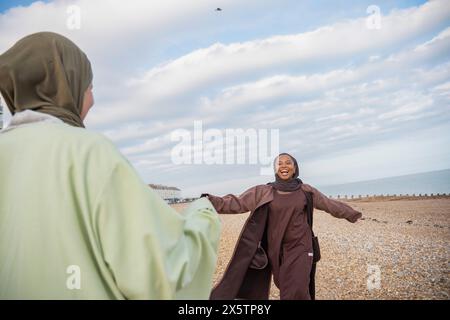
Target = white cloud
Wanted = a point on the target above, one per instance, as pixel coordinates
(218, 65)
(407, 106)
(333, 88)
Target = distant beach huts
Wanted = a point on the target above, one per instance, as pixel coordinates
(169, 194)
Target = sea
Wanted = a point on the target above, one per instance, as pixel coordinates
(434, 182)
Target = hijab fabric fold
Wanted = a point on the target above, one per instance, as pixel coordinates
(294, 183)
(47, 73)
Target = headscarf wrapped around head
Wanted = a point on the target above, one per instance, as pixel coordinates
(47, 73)
(294, 183)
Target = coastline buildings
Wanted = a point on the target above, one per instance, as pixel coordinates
(169, 194)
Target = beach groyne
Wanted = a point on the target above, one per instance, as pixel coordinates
(388, 197)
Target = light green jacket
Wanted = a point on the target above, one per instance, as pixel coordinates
(77, 222)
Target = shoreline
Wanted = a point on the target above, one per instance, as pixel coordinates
(392, 198)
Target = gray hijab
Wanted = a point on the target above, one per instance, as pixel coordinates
(48, 73)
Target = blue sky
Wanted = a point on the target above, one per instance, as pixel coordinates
(350, 102)
(6, 4)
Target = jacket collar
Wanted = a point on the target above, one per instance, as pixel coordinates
(27, 117)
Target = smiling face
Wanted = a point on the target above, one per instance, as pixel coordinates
(285, 167)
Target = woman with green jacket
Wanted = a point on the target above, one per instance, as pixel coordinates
(76, 221)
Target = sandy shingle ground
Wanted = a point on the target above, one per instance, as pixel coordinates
(407, 241)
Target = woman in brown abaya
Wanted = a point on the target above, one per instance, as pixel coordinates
(277, 238)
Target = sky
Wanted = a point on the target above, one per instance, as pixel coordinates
(355, 90)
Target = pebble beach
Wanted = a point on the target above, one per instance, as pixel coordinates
(400, 250)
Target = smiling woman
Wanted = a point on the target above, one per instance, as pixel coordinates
(277, 238)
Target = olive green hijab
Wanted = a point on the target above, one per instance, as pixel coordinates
(48, 73)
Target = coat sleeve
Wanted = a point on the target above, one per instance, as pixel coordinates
(335, 208)
(230, 203)
(152, 251)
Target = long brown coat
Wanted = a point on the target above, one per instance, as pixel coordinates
(248, 274)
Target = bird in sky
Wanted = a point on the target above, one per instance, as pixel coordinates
(219, 9)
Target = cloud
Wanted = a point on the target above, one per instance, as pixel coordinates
(352, 106)
(211, 69)
(119, 39)
(407, 106)
(333, 89)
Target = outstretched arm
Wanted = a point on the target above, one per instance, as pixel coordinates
(153, 252)
(230, 203)
(335, 208)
